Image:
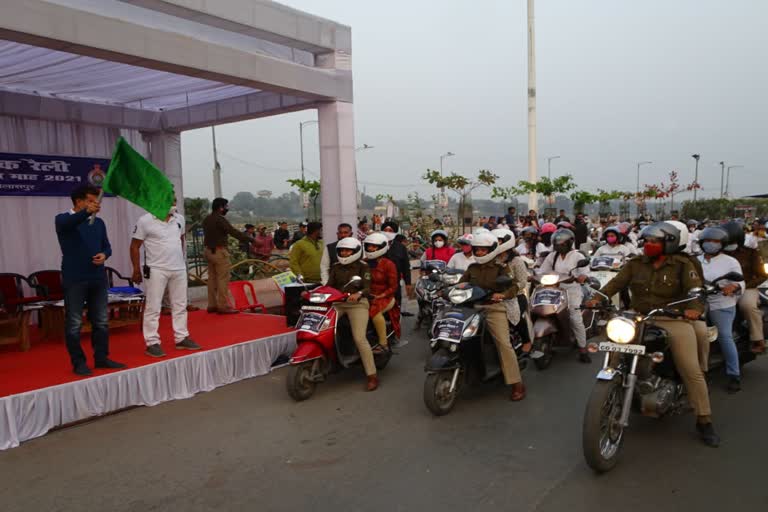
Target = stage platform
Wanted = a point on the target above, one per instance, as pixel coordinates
(38, 390)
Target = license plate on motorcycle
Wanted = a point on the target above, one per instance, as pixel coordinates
(635, 350)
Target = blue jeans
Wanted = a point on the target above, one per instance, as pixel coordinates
(76, 296)
(723, 320)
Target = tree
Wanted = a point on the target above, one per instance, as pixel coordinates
(604, 198)
(309, 187)
(196, 209)
(461, 185)
(244, 202)
(544, 186)
(581, 198)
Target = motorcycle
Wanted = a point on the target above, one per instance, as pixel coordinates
(429, 288)
(604, 268)
(551, 320)
(462, 345)
(324, 343)
(638, 374)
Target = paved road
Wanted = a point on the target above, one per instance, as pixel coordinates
(248, 446)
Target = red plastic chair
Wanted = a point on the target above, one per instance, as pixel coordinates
(50, 281)
(242, 301)
(12, 291)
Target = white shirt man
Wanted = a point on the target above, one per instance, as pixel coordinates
(164, 257)
(461, 261)
(568, 265)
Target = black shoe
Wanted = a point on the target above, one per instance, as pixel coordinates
(108, 363)
(82, 369)
(734, 385)
(584, 358)
(707, 434)
(187, 344)
(155, 351)
(405, 313)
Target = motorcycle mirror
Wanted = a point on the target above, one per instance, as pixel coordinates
(356, 280)
(733, 276)
(503, 282)
(583, 263)
(696, 292)
(434, 276)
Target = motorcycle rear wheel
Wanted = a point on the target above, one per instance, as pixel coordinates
(299, 383)
(437, 397)
(602, 436)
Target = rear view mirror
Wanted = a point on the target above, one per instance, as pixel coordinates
(733, 276)
(583, 263)
(503, 282)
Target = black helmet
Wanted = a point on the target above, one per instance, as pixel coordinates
(667, 233)
(714, 233)
(616, 231)
(735, 232)
(562, 241)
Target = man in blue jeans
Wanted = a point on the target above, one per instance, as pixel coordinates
(84, 248)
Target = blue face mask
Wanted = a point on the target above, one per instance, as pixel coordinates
(712, 247)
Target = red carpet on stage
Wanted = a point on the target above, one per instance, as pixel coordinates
(47, 362)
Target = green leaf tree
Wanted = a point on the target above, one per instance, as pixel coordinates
(461, 185)
(309, 187)
(581, 198)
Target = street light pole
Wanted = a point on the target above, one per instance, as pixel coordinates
(216, 166)
(728, 178)
(638, 174)
(549, 166)
(532, 174)
(696, 175)
(448, 154)
(722, 178)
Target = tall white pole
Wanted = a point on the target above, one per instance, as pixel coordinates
(532, 176)
(216, 167)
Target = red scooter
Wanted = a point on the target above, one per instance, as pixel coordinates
(325, 344)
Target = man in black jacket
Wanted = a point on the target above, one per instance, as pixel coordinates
(282, 236)
(398, 253)
(580, 230)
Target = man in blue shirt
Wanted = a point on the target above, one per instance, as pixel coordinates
(84, 248)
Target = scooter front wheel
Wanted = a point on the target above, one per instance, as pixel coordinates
(544, 346)
(438, 396)
(300, 382)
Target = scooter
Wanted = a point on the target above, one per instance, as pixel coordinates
(462, 346)
(604, 268)
(324, 344)
(550, 315)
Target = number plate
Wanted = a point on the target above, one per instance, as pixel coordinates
(636, 350)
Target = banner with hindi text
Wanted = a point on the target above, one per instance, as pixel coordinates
(48, 175)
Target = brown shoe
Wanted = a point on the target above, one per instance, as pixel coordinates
(212, 310)
(518, 392)
(165, 311)
(758, 347)
(191, 307)
(228, 311)
(373, 383)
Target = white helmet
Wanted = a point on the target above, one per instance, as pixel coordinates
(488, 241)
(381, 243)
(480, 231)
(349, 243)
(683, 232)
(465, 239)
(506, 239)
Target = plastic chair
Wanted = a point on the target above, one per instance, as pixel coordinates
(242, 301)
(112, 274)
(12, 291)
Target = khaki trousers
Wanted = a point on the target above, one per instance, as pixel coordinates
(700, 328)
(358, 321)
(380, 324)
(749, 305)
(218, 278)
(684, 346)
(496, 318)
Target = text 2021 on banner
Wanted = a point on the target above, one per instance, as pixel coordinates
(47, 175)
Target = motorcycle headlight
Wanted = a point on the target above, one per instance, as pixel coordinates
(458, 295)
(317, 298)
(472, 327)
(620, 329)
(549, 279)
(451, 279)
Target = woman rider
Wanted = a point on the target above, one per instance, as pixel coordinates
(384, 281)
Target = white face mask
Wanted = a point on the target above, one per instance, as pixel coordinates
(390, 235)
(439, 244)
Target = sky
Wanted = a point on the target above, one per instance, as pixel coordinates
(618, 82)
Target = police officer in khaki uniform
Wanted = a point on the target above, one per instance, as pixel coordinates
(655, 279)
(349, 252)
(483, 273)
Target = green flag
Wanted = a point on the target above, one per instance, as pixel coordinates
(133, 177)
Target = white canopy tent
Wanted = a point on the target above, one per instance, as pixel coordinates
(77, 74)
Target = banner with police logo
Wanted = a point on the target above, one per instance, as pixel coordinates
(46, 175)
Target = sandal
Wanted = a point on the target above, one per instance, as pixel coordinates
(380, 349)
(758, 347)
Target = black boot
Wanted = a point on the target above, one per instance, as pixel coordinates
(734, 385)
(707, 434)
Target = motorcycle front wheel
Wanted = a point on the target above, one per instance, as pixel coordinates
(545, 346)
(602, 435)
(299, 381)
(437, 395)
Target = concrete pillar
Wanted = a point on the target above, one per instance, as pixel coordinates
(165, 153)
(338, 179)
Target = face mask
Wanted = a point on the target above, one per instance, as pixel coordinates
(611, 240)
(711, 247)
(731, 248)
(466, 249)
(439, 244)
(390, 235)
(653, 250)
(224, 211)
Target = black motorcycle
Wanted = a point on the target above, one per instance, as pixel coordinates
(638, 375)
(461, 346)
(435, 278)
